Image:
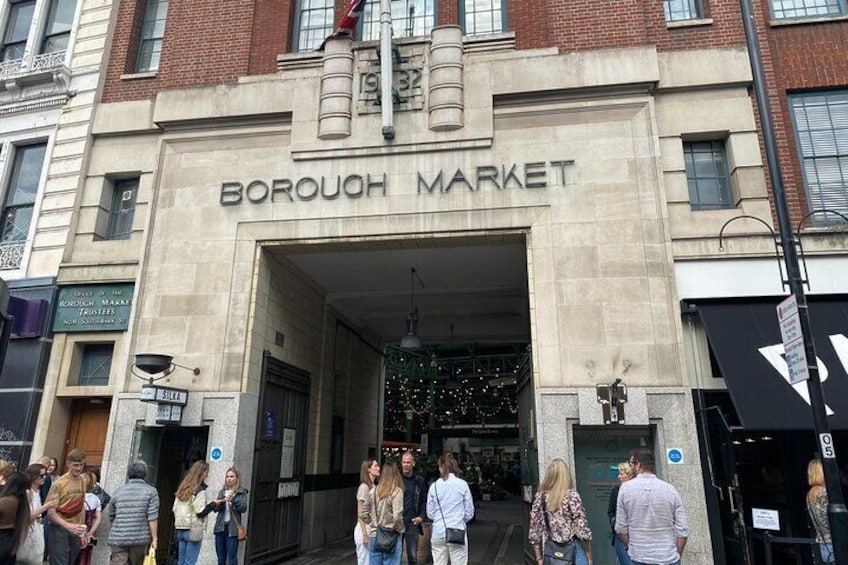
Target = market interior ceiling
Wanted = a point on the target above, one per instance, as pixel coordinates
(477, 285)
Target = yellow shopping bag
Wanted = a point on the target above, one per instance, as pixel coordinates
(151, 557)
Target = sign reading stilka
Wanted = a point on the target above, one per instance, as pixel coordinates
(164, 395)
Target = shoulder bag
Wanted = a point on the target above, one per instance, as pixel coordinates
(195, 533)
(555, 553)
(241, 531)
(386, 538)
(452, 535)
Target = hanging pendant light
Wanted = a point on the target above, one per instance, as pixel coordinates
(411, 339)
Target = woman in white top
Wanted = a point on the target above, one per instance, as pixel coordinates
(368, 473)
(449, 505)
(32, 550)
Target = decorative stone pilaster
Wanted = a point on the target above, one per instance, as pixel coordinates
(446, 79)
(334, 114)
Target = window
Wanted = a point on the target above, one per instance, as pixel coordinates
(96, 363)
(122, 210)
(788, 9)
(57, 30)
(152, 32)
(821, 129)
(314, 23)
(483, 16)
(682, 10)
(20, 203)
(706, 173)
(17, 30)
(410, 18)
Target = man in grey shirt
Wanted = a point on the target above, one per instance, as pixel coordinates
(134, 511)
(650, 519)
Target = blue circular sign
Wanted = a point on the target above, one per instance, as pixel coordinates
(216, 454)
(675, 455)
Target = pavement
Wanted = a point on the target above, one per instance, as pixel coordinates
(494, 538)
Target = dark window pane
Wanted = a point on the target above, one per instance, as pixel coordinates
(410, 18)
(21, 192)
(152, 32)
(95, 365)
(707, 175)
(123, 209)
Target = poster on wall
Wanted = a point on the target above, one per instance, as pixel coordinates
(287, 455)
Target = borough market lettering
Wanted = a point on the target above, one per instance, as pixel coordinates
(533, 175)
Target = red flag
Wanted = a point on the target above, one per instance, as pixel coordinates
(348, 23)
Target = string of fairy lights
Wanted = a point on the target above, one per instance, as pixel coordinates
(455, 387)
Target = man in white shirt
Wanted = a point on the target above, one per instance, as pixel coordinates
(650, 519)
(449, 505)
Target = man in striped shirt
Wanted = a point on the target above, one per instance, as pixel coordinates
(650, 519)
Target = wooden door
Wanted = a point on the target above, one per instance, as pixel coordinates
(87, 430)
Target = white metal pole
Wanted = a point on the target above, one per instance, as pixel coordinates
(387, 103)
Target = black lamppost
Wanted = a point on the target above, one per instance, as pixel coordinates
(836, 511)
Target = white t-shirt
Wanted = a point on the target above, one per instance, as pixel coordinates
(92, 502)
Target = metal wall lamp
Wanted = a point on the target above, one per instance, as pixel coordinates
(157, 364)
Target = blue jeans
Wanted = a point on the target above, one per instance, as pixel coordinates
(380, 558)
(410, 541)
(226, 546)
(189, 550)
(621, 552)
(580, 555)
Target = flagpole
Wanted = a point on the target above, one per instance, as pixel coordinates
(387, 102)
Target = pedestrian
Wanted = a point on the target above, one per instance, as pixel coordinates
(450, 507)
(414, 506)
(53, 470)
(134, 513)
(14, 516)
(98, 489)
(67, 519)
(6, 470)
(625, 473)
(557, 518)
(817, 508)
(32, 550)
(362, 532)
(43, 491)
(230, 506)
(188, 506)
(650, 518)
(384, 509)
(93, 515)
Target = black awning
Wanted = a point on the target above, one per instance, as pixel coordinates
(741, 336)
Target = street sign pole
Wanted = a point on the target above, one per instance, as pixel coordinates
(836, 511)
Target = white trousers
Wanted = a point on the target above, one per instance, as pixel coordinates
(444, 553)
(362, 552)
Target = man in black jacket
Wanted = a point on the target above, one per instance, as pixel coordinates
(414, 506)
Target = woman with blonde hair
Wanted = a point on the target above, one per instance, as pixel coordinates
(230, 505)
(625, 473)
(383, 508)
(557, 518)
(190, 501)
(817, 507)
(362, 532)
(450, 506)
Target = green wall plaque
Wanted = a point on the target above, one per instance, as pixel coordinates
(93, 308)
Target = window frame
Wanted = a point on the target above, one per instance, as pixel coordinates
(10, 8)
(722, 177)
(86, 380)
(115, 202)
(820, 219)
(360, 26)
(779, 15)
(19, 149)
(695, 10)
(151, 39)
(50, 13)
(463, 15)
(297, 27)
